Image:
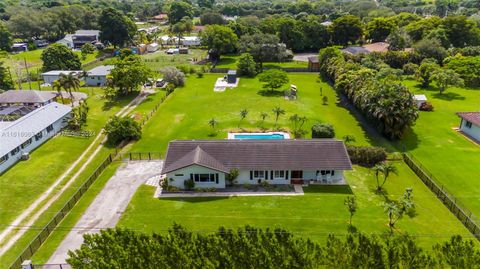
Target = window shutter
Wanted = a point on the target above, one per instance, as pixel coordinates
(191, 176)
(286, 174)
(216, 178)
(333, 172)
(266, 174)
(271, 174)
(251, 175)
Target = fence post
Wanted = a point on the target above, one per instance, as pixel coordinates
(149, 157)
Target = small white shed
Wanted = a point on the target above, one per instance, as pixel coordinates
(420, 99)
(152, 47)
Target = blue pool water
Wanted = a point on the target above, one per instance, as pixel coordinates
(259, 136)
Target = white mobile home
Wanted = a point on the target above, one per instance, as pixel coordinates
(470, 124)
(23, 135)
(98, 75)
(208, 163)
(50, 76)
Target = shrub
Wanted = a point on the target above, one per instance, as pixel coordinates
(189, 184)
(410, 69)
(366, 156)
(174, 76)
(323, 130)
(120, 129)
(246, 65)
(232, 175)
(426, 106)
(200, 74)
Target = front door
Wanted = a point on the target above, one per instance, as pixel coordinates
(297, 174)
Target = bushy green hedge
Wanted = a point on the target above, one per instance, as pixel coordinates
(323, 130)
(367, 156)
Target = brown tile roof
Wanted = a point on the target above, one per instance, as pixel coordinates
(377, 47)
(223, 155)
(473, 117)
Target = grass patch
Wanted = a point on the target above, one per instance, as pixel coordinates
(231, 61)
(450, 157)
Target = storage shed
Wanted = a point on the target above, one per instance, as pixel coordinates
(232, 76)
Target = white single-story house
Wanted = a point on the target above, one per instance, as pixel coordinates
(470, 124)
(50, 76)
(98, 75)
(67, 41)
(23, 135)
(208, 162)
(420, 99)
(153, 47)
(19, 47)
(191, 41)
(30, 98)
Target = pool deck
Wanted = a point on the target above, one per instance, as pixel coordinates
(285, 135)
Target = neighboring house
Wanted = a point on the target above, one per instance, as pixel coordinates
(208, 162)
(162, 17)
(82, 37)
(39, 43)
(152, 47)
(20, 137)
(19, 47)
(98, 75)
(313, 63)
(50, 76)
(326, 23)
(470, 124)
(355, 50)
(191, 41)
(30, 98)
(149, 30)
(420, 99)
(67, 41)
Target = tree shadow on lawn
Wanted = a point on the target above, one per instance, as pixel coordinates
(269, 93)
(338, 189)
(195, 199)
(449, 96)
(226, 61)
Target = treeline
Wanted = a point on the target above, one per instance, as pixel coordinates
(385, 102)
(251, 247)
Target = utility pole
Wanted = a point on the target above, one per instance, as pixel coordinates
(38, 80)
(28, 74)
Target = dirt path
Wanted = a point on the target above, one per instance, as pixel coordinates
(105, 211)
(22, 217)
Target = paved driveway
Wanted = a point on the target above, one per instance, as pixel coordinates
(107, 208)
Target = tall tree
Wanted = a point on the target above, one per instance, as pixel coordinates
(6, 40)
(178, 10)
(347, 29)
(219, 40)
(6, 82)
(273, 79)
(116, 28)
(246, 65)
(60, 57)
(445, 78)
(264, 48)
(69, 83)
(129, 74)
(379, 29)
(278, 111)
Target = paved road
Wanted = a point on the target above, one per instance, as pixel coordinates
(107, 208)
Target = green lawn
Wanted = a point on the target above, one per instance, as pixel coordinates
(25, 181)
(158, 60)
(320, 212)
(230, 61)
(186, 112)
(453, 159)
(185, 115)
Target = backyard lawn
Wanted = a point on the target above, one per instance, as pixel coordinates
(25, 181)
(454, 160)
(315, 215)
(230, 61)
(158, 60)
(186, 113)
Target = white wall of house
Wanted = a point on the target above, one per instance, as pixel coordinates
(50, 78)
(180, 175)
(95, 81)
(12, 159)
(473, 130)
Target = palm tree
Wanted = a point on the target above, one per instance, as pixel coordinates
(387, 169)
(243, 114)
(278, 111)
(56, 87)
(348, 139)
(394, 214)
(69, 82)
(263, 116)
(213, 123)
(377, 169)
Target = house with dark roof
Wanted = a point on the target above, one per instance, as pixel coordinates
(30, 98)
(208, 162)
(470, 124)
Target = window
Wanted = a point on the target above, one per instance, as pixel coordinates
(15, 151)
(202, 178)
(327, 172)
(38, 136)
(279, 174)
(258, 174)
(49, 128)
(468, 124)
(26, 143)
(4, 158)
(179, 175)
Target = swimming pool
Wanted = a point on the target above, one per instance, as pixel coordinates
(270, 136)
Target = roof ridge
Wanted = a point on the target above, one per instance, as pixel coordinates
(31, 114)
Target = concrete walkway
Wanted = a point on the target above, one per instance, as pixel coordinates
(107, 208)
(12, 228)
(298, 190)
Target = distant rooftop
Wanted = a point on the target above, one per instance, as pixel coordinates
(102, 70)
(355, 50)
(19, 131)
(26, 96)
(87, 32)
(59, 72)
